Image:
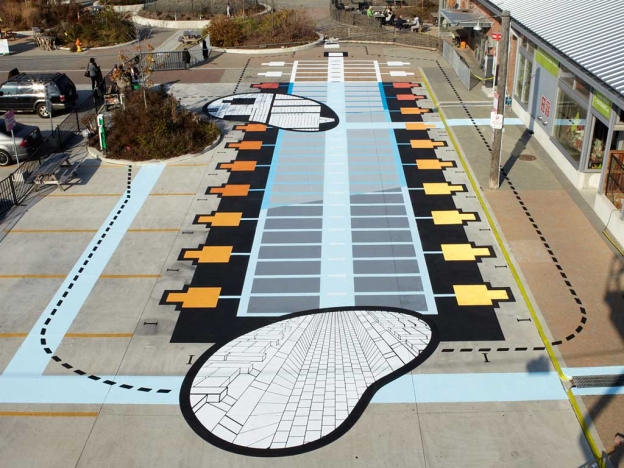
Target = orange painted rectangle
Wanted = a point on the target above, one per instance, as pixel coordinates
(239, 166)
(246, 145)
(231, 190)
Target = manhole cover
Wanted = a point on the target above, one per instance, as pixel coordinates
(527, 157)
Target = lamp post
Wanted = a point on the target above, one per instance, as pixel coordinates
(501, 83)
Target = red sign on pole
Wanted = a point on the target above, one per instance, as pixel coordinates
(497, 36)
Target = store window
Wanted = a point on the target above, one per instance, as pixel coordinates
(598, 145)
(574, 81)
(527, 45)
(569, 125)
(523, 80)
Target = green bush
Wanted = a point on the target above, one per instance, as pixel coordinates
(162, 130)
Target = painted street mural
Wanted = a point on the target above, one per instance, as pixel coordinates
(337, 260)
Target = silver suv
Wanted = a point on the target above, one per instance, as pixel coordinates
(27, 140)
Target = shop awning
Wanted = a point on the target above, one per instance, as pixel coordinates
(465, 18)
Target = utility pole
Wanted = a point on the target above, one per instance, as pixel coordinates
(501, 84)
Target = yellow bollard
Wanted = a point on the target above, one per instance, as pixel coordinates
(78, 45)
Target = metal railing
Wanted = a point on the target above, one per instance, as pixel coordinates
(355, 26)
(14, 189)
(614, 181)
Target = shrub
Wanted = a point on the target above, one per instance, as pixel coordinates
(226, 32)
(162, 130)
(280, 27)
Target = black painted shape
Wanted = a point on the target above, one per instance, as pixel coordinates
(348, 423)
(462, 323)
(333, 54)
(325, 111)
(424, 204)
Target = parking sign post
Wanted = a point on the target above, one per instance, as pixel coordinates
(9, 121)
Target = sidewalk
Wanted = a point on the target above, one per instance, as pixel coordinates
(574, 274)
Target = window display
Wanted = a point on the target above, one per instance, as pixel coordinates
(523, 80)
(569, 125)
(598, 143)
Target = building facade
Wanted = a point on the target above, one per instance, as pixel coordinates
(566, 81)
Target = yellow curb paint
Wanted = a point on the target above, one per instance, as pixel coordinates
(13, 335)
(540, 329)
(99, 335)
(48, 414)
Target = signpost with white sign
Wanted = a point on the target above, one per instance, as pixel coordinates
(4, 47)
(9, 122)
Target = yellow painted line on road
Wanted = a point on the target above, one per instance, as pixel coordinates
(154, 230)
(173, 194)
(540, 329)
(129, 276)
(76, 195)
(13, 335)
(47, 231)
(49, 414)
(78, 231)
(99, 335)
(23, 276)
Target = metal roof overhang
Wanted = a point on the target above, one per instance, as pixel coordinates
(465, 18)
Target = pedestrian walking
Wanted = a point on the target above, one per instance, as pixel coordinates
(205, 49)
(94, 73)
(228, 10)
(186, 56)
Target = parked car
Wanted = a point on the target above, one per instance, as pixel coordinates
(27, 140)
(25, 92)
(189, 36)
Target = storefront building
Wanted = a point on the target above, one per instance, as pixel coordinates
(566, 78)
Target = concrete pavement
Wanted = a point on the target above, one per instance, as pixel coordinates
(543, 222)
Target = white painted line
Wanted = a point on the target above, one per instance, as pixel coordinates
(276, 74)
(400, 73)
(274, 64)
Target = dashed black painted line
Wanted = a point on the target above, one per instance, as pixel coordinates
(242, 75)
(568, 284)
(65, 293)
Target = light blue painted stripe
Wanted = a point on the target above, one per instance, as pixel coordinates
(337, 252)
(598, 391)
(411, 388)
(81, 390)
(401, 125)
(472, 388)
(580, 371)
(30, 358)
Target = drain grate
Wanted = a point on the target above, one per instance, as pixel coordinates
(592, 381)
(527, 157)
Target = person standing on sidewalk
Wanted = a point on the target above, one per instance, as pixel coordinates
(94, 73)
(228, 10)
(204, 49)
(186, 57)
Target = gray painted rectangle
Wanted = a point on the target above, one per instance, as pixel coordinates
(288, 268)
(388, 284)
(281, 305)
(302, 237)
(371, 251)
(305, 251)
(294, 223)
(285, 284)
(382, 236)
(379, 223)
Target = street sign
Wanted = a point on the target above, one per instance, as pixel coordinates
(497, 36)
(495, 103)
(9, 120)
(496, 121)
